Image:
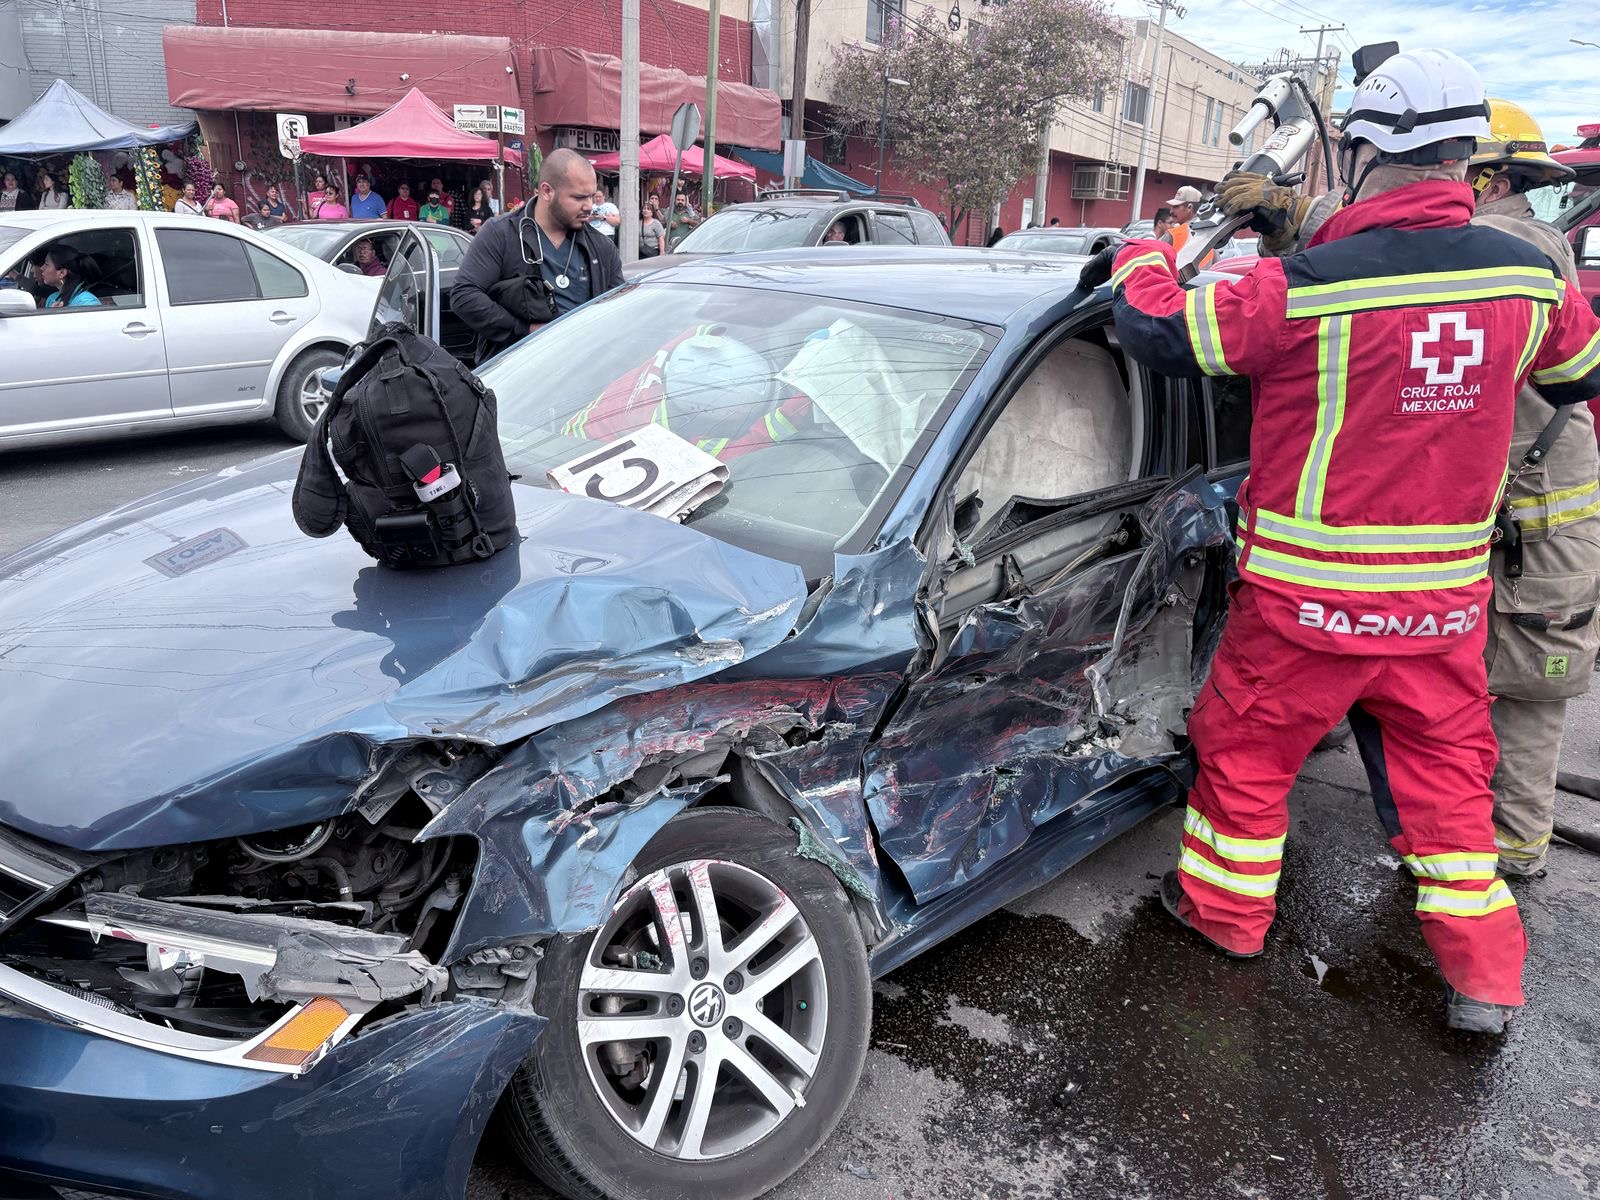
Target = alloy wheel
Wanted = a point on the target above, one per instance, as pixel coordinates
(702, 1009)
(312, 399)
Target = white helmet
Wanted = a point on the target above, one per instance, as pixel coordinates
(1419, 99)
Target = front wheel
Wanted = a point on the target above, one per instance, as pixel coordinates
(705, 1041)
(300, 400)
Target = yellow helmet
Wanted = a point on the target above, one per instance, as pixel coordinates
(1516, 144)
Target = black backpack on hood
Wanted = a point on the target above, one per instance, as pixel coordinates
(415, 436)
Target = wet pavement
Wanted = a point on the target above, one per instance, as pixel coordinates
(1081, 1045)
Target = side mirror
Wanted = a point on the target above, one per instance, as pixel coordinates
(1589, 247)
(14, 302)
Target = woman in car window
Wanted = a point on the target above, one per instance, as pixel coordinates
(50, 196)
(63, 270)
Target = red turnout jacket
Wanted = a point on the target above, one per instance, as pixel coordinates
(1384, 362)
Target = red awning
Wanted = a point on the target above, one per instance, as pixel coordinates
(311, 70)
(413, 128)
(575, 87)
(658, 155)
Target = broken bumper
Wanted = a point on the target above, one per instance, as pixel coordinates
(394, 1111)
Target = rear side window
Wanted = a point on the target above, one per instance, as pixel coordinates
(448, 248)
(205, 268)
(929, 231)
(276, 279)
(893, 229)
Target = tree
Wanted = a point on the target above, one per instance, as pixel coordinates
(970, 121)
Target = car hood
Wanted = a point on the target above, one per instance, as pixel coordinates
(191, 666)
(649, 266)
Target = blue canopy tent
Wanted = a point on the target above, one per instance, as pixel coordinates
(818, 174)
(62, 121)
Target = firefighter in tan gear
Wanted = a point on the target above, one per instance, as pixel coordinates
(1543, 630)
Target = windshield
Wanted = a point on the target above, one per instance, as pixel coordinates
(10, 235)
(813, 405)
(754, 227)
(313, 239)
(1048, 243)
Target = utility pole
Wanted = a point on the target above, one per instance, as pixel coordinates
(1319, 31)
(628, 169)
(709, 178)
(802, 53)
(1155, 86)
(1041, 172)
(1314, 184)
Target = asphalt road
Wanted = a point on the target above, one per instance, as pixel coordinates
(1079, 1045)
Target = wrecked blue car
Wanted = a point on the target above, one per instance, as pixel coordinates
(308, 868)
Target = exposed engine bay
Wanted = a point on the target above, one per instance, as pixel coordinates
(223, 938)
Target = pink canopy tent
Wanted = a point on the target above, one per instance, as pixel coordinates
(658, 155)
(413, 127)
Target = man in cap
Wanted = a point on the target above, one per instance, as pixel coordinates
(1183, 204)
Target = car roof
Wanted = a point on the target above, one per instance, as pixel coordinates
(373, 224)
(820, 203)
(987, 286)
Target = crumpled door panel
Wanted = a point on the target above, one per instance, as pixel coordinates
(1041, 701)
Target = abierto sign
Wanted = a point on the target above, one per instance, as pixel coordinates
(478, 118)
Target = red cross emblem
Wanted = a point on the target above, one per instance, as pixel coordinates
(1446, 348)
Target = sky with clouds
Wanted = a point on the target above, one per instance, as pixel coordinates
(1520, 47)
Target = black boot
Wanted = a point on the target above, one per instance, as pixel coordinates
(1475, 1016)
(1171, 893)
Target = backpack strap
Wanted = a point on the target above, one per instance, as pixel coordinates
(320, 501)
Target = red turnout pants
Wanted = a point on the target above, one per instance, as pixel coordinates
(1426, 720)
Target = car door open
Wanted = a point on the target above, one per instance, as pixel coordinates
(1066, 616)
(410, 291)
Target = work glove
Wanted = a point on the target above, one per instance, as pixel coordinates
(1098, 269)
(1275, 212)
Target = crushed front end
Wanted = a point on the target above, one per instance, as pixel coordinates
(265, 1015)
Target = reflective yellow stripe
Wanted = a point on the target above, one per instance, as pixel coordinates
(1464, 904)
(1238, 849)
(778, 426)
(1372, 539)
(1513, 847)
(1575, 368)
(575, 425)
(1150, 259)
(1367, 577)
(1205, 335)
(1536, 332)
(1333, 358)
(1458, 866)
(1434, 287)
(659, 417)
(1560, 507)
(1232, 881)
(713, 446)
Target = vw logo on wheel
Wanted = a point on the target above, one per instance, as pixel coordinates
(706, 1005)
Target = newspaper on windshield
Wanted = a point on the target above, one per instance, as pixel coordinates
(651, 469)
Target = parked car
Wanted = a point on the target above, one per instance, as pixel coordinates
(1059, 239)
(199, 323)
(303, 859)
(335, 242)
(797, 219)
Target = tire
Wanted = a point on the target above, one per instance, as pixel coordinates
(561, 1107)
(291, 412)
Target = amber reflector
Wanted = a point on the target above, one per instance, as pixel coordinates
(303, 1035)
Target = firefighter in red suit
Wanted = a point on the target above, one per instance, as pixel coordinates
(1385, 361)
